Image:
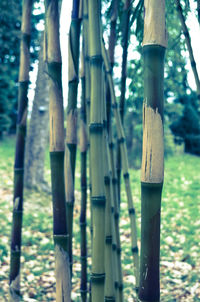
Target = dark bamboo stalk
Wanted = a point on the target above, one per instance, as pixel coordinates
(83, 221)
(14, 278)
(56, 116)
(152, 172)
(71, 130)
(96, 149)
(125, 167)
(125, 38)
(189, 46)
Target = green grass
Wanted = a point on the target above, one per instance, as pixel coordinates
(180, 232)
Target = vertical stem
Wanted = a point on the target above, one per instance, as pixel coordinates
(109, 263)
(125, 38)
(152, 172)
(19, 152)
(96, 144)
(56, 116)
(83, 223)
(71, 131)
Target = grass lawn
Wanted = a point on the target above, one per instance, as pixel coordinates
(180, 233)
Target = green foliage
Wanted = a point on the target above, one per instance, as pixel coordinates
(186, 128)
(10, 20)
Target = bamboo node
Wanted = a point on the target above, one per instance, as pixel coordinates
(131, 211)
(96, 127)
(107, 180)
(97, 278)
(134, 250)
(121, 140)
(109, 239)
(109, 299)
(126, 175)
(96, 60)
(98, 201)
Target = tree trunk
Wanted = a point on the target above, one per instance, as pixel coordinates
(38, 130)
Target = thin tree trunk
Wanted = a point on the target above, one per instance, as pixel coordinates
(14, 279)
(53, 59)
(96, 148)
(71, 130)
(152, 172)
(38, 130)
(189, 46)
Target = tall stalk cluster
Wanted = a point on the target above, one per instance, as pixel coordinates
(152, 172)
(56, 122)
(24, 68)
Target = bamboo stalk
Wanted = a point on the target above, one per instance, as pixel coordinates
(152, 172)
(14, 278)
(189, 46)
(115, 207)
(125, 38)
(125, 168)
(71, 129)
(96, 144)
(109, 263)
(83, 221)
(56, 116)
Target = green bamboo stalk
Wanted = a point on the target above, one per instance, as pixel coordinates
(14, 278)
(189, 46)
(71, 129)
(87, 86)
(83, 150)
(125, 38)
(87, 99)
(125, 168)
(111, 50)
(96, 149)
(152, 172)
(56, 117)
(115, 222)
(109, 263)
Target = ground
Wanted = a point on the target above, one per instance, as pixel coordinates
(180, 233)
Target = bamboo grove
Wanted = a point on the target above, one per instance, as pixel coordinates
(100, 137)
